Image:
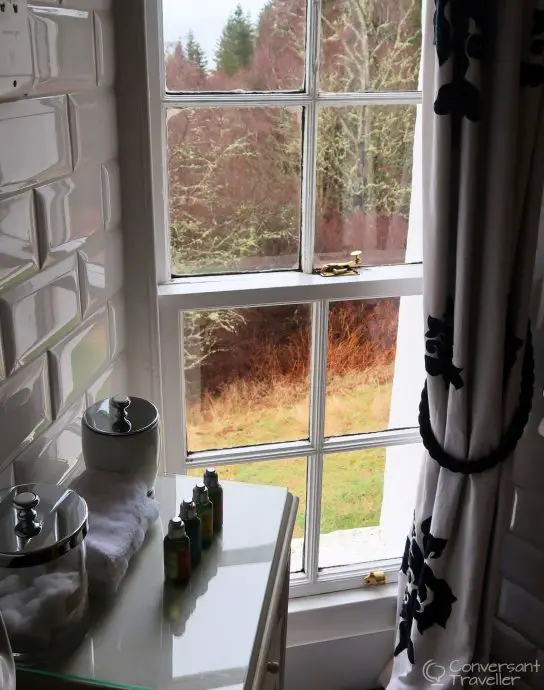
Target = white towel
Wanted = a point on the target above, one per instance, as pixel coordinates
(120, 513)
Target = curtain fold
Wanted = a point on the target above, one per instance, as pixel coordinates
(483, 174)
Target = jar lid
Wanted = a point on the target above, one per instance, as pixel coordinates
(121, 416)
(39, 523)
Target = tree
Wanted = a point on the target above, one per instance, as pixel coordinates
(235, 48)
(195, 54)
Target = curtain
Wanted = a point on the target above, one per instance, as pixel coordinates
(483, 168)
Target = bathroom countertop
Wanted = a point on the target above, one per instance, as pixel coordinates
(201, 637)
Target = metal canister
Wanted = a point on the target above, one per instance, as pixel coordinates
(43, 573)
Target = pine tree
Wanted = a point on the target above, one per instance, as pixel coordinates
(235, 48)
(195, 54)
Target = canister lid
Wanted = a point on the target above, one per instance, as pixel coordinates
(39, 523)
(121, 416)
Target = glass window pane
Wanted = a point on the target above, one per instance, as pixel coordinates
(225, 45)
(246, 374)
(367, 503)
(234, 189)
(290, 474)
(370, 45)
(364, 179)
(375, 365)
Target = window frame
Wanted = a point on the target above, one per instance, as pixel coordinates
(174, 296)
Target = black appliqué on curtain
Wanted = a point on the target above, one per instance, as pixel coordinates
(418, 606)
(455, 38)
(532, 74)
(439, 348)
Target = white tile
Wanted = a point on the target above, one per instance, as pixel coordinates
(509, 646)
(38, 312)
(63, 49)
(18, 244)
(100, 269)
(528, 517)
(26, 408)
(111, 194)
(68, 211)
(523, 564)
(2, 367)
(54, 454)
(105, 53)
(93, 127)
(522, 612)
(76, 360)
(38, 126)
(117, 323)
(112, 381)
(7, 478)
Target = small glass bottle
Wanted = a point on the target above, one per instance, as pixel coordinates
(177, 553)
(204, 509)
(193, 527)
(215, 492)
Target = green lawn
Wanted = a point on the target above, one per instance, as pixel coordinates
(352, 482)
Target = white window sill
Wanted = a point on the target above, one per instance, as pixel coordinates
(340, 615)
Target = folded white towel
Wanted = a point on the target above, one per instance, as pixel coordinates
(120, 513)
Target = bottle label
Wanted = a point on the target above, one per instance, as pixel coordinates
(207, 526)
(171, 565)
(184, 564)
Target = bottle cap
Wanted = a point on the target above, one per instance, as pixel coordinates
(176, 528)
(187, 509)
(211, 478)
(200, 493)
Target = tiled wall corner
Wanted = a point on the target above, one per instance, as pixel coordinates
(62, 320)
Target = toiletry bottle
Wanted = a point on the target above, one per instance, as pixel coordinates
(177, 553)
(204, 509)
(193, 527)
(215, 492)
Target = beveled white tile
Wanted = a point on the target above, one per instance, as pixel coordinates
(100, 269)
(53, 455)
(105, 53)
(2, 367)
(42, 125)
(110, 382)
(521, 611)
(7, 478)
(117, 324)
(76, 360)
(111, 194)
(18, 244)
(38, 312)
(68, 211)
(26, 408)
(93, 127)
(63, 49)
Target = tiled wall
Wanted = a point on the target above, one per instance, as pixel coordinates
(518, 633)
(61, 246)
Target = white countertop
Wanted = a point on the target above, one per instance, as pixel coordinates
(201, 637)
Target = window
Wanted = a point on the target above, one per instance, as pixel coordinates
(285, 135)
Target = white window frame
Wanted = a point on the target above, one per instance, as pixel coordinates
(273, 288)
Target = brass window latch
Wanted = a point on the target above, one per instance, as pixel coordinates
(341, 268)
(374, 578)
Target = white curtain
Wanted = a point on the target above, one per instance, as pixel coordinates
(483, 172)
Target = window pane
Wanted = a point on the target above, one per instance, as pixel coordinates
(374, 365)
(367, 503)
(247, 376)
(234, 189)
(370, 45)
(364, 177)
(288, 473)
(223, 45)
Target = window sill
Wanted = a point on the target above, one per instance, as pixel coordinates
(339, 615)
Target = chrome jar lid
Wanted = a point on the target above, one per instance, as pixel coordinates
(39, 523)
(121, 416)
